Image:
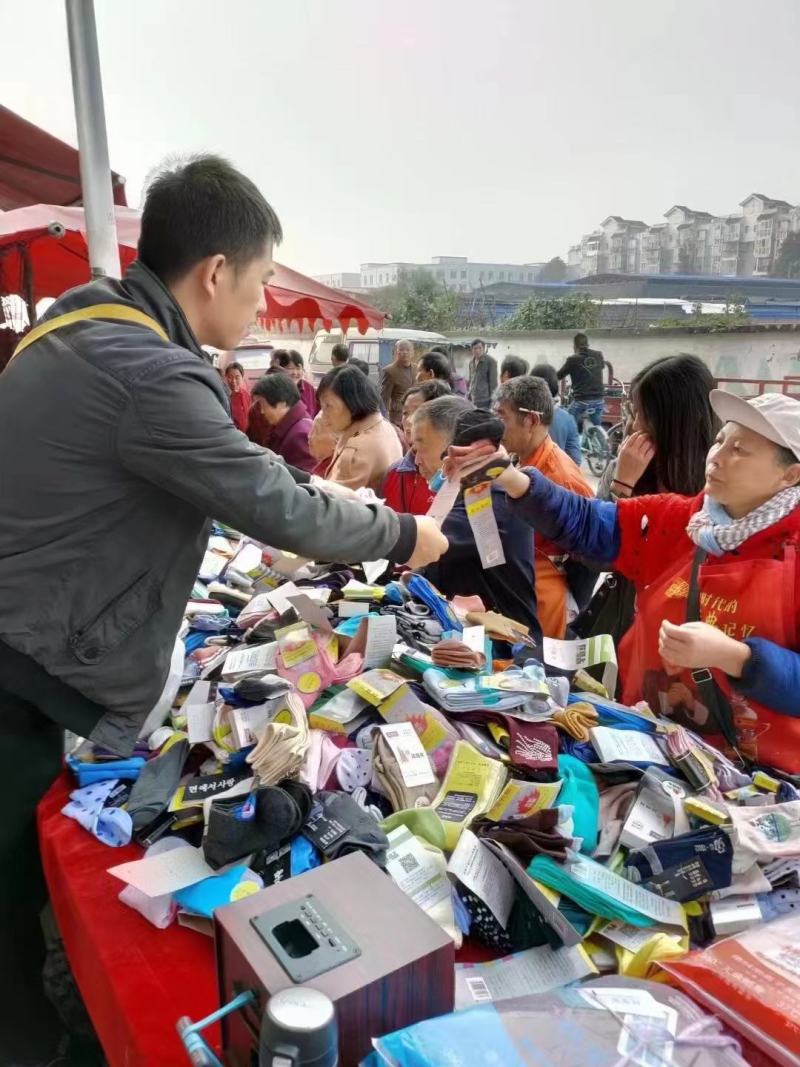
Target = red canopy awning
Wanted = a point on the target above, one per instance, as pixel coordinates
(48, 242)
(292, 297)
(37, 168)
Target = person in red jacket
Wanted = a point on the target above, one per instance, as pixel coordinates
(405, 489)
(715, 643)
(278, 402)
(239, 395)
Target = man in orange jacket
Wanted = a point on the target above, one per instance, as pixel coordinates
(526, 407)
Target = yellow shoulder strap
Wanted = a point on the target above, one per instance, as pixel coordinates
(116, 312)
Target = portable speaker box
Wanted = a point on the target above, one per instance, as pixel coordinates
(344, 929)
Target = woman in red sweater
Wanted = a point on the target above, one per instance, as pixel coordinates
(715, 643)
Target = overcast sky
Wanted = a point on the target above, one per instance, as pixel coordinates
(498, 130)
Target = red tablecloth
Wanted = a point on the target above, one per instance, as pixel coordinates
(136, 981)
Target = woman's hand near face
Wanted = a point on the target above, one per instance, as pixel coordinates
(635, 455)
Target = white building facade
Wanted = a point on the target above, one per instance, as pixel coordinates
(454, 272)
(689, 242)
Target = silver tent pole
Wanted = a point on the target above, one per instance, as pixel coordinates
(87, 90)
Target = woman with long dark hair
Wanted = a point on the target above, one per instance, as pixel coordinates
(672, 428)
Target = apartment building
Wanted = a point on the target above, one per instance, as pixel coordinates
(689, 242)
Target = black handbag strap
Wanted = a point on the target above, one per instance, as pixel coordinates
(707, 688)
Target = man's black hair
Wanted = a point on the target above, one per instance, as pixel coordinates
(671, 393)
(277, 388)
(235, 366)
(438, 365)
(433, 389)
(203, 207)
(356, 391)
(514, 367)
(580, 341)
(340, 352)
(289, 357)
(362, 364)
(544, 370)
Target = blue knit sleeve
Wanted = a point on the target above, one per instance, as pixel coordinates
(771, 676)
(578, 524)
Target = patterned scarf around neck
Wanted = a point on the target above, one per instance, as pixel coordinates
(713, 529)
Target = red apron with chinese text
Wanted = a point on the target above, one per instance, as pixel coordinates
(744, 598)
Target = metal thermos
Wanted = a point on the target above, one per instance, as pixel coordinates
(299, 1030)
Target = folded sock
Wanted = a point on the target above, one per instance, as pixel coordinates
(204, 897)
(580, 791)
(535, 835)
(338, 826)
(89, 807)
(591, 900)
(86, 773)
(483, 926)
(765, 833)
(686, 867)
(472, 784)
(422, 822)
(577, 720)
(389, 778)
(161, 910)
(354, 769)
(277, 816)
(282, 746)
(320, 760)
(156, 784)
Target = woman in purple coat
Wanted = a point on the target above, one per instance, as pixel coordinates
(278, 401)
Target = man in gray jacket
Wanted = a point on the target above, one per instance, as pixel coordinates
(482, 376)
(116, 449)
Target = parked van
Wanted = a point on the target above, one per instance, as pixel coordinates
(375, 347)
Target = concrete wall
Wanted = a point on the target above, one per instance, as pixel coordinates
(758, 354)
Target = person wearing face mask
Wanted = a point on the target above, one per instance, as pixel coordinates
(405, 489)
(291, 363)
(367, 444)
(507, 588)
(714, 642)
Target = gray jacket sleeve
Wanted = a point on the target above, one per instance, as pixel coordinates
(175, 433)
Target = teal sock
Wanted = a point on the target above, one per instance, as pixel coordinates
(580, 790)
(558, 877)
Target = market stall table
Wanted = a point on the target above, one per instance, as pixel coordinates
(136, 980)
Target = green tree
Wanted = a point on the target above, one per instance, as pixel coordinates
(419, 302)
(787, 262)
(555, 270)
(576, 311)
(732, 315)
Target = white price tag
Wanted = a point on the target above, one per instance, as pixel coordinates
(403, 740)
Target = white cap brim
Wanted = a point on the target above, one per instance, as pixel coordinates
(731, 408)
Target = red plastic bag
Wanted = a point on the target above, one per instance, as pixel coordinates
(752, 982)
